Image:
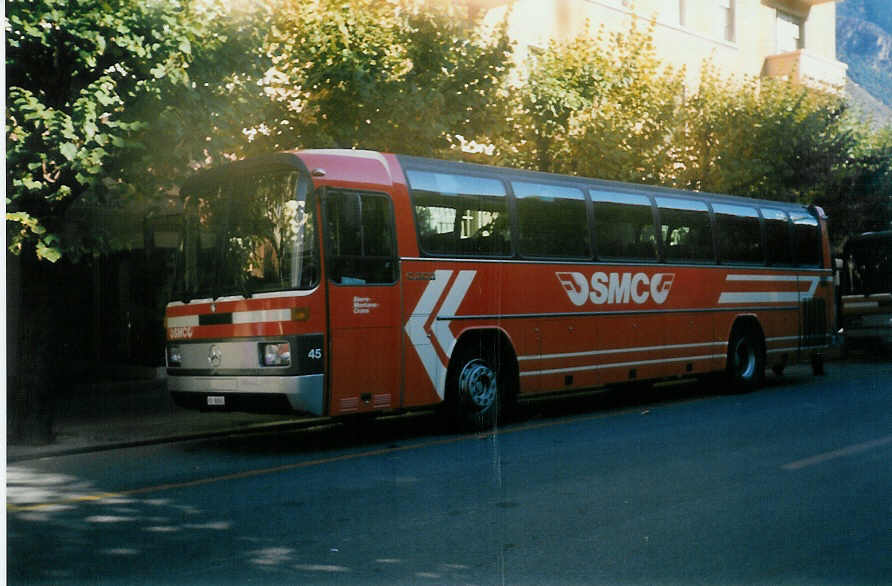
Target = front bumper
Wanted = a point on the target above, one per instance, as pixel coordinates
(302, 393)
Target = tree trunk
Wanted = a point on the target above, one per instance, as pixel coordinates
(30, 405)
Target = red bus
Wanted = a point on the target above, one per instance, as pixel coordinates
(337, 282)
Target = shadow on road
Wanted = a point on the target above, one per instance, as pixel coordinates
(390, 430)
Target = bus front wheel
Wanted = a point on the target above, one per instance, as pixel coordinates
(746, 360)
(475, 386)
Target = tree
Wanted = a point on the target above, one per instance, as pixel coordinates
(760, 137)
(560, 81)
(86, 79)
(400, 76)
(201, 122)
(858, 194)
(609, 108)
(627, 133)
(773, 139)
(600, 107)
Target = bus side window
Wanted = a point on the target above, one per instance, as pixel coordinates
(739, 234)
(461, 215)
(807, 240)
(553, 221)
(360, 238)
(685, 230)
(624, 226)
(777, 237)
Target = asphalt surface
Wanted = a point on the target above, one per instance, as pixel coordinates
(786, 485)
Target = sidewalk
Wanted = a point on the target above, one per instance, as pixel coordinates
(130, 413)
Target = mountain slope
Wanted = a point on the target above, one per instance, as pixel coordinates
(864, 43)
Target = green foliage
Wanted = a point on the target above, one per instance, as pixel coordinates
(394, 76)
(598, 107)
(858, 194)
(84, 79)
(776, 140)
(561, 81)
(201, 122)
(762, 138)
(609, 108)
(626, 134)
(113, 101)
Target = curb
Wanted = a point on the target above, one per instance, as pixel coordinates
(50, 452)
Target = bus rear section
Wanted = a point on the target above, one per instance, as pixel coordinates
(866, 291)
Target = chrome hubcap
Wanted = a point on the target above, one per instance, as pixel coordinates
(477, 382)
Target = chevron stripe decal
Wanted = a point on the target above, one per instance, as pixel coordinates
(425, 329)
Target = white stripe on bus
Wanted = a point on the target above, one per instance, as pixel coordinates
(785, 278)
(260, 315)
(769, 296)
(621, 364)
(182, 321)
(619, 351)
(760, 297)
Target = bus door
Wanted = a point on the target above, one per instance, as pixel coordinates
(363, 302)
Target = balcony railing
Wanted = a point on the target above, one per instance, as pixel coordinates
(807, 68)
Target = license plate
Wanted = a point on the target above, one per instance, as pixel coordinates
(216, 401)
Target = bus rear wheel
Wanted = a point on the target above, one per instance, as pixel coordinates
(746, 360)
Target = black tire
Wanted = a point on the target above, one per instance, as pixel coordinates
(746, 359)
(476, 386)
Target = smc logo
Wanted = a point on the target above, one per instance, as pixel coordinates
(616, 287)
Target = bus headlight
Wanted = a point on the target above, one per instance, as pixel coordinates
(277, 354)
(174, 355)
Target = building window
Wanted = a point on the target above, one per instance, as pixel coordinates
(726, 20)
(672, 11)
(789, 32)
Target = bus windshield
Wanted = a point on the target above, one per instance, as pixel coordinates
(247, 234)
(868, 264)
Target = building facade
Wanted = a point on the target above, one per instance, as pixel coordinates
(794, 39)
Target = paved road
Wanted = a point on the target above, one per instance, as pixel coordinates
(788, 485)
